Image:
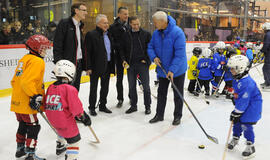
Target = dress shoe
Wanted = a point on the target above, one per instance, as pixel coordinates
(176, 121)
(131, 109)
(119, 104)
(104, 109)
(93, 112)
(155, 119)
(147, 111)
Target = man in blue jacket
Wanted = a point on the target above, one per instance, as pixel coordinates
(167, 48)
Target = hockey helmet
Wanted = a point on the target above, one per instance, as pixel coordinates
(36, 43)
(206, 53)
(197, 51)
(240, 64)
(65, 68)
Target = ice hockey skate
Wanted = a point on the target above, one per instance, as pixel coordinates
(233, 143)
(249, 152)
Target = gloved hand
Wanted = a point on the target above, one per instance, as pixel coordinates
(225, 68)
(85, 119)
(235, 117)
(194, 73)
(35, 101)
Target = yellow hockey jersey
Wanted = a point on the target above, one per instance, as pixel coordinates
(27, 82)
(192, 65)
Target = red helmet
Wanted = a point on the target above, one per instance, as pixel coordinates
(36, 43)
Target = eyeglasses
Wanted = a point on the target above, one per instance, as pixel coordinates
(84, 10)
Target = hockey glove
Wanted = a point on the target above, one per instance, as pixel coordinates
(194, 73)
(235, 117)
(85, 119)
(35, 101)
(225, 68)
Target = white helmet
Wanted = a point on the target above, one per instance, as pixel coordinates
(266, 26)
(206, 53)
(220, 45)
(249, 45)
(65, 68)
(228, 46)
(240, 64)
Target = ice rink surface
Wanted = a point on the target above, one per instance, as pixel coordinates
(131, 137)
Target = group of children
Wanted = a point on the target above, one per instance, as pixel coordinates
(62, 104)
(210, 68)
(232, 65)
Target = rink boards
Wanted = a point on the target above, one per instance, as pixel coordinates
(11, 54)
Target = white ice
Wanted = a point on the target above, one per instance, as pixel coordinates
(131, 137)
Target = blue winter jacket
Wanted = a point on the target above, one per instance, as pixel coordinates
(248, 99)
(169, 46)
(204, 65)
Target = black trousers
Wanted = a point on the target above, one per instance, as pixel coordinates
(77, 81)
(162, 96)
(192, 85)
(143, 71)
(119, 77)
(105, 79)
(205, 84)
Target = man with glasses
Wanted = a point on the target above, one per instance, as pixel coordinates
(68, 41)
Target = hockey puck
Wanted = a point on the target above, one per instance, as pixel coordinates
(201, 146)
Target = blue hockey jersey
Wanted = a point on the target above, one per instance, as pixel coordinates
(217, 66)
(204, 66)
(228, 75)
(248, 99)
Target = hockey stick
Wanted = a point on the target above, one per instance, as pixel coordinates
(207, 102)
(221, 79)
(226, 145)
(94, 134)
(46, 119)
(213, 139)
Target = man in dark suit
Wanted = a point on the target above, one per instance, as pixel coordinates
(68, 41)
(99, 49)
(118, 28)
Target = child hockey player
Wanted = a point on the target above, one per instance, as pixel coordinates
(257, 48)
(62, 105)
(249, 52)
(248, 104)
(218, 63)
(228, 78)
(204, 67)
(242, 47)
(193, 71)
(27, 84)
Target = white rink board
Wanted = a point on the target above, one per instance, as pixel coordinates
(8, 62)
(10, 57)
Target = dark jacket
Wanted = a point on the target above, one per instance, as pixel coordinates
(96, 51)
(266, 47)
(65, 42)
(127, 45)
(117, 30)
